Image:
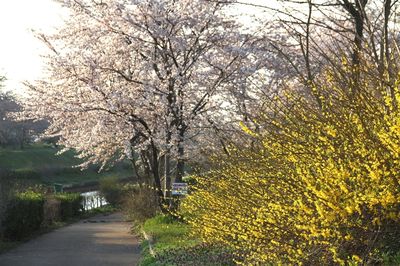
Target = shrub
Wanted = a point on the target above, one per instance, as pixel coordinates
(6, 195)
(24, 215)
(140, 203)
(111, 190)
(70, 204)
(319, 184)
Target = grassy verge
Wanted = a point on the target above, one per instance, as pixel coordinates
(166, 234)
(173, 245)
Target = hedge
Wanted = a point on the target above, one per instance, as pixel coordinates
(70, 204)
(24, 215)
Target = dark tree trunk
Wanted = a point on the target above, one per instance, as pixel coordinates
(357, 12)
(167, 172)
(180, 166)
(155, 167)
(167, 166)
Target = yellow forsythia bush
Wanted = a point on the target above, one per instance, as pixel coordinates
(320, 185)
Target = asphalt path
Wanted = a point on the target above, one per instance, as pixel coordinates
(98, 241)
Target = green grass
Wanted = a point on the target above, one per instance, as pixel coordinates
(35, 156)
(173, 245)
(39, 164)
(390, 259)
(166, 234)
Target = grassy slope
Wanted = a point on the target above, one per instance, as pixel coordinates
(53, 168)
(35, 157)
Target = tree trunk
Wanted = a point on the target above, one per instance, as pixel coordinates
(180, 166)
(155, 166)
(357, 12)
(167, 173)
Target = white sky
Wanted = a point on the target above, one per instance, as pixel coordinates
(20, 51)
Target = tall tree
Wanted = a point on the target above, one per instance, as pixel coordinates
(138, 77)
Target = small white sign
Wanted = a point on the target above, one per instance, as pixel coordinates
(179, 189)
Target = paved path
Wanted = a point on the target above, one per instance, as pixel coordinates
(98, 241)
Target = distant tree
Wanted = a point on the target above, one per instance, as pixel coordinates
(15, 133)
(5, 184)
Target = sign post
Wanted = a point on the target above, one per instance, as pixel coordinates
(179, 189)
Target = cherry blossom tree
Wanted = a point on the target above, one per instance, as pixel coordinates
(139, 79)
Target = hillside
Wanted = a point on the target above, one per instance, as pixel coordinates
(39, 164)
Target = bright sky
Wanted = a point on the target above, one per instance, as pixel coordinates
(19, 50)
